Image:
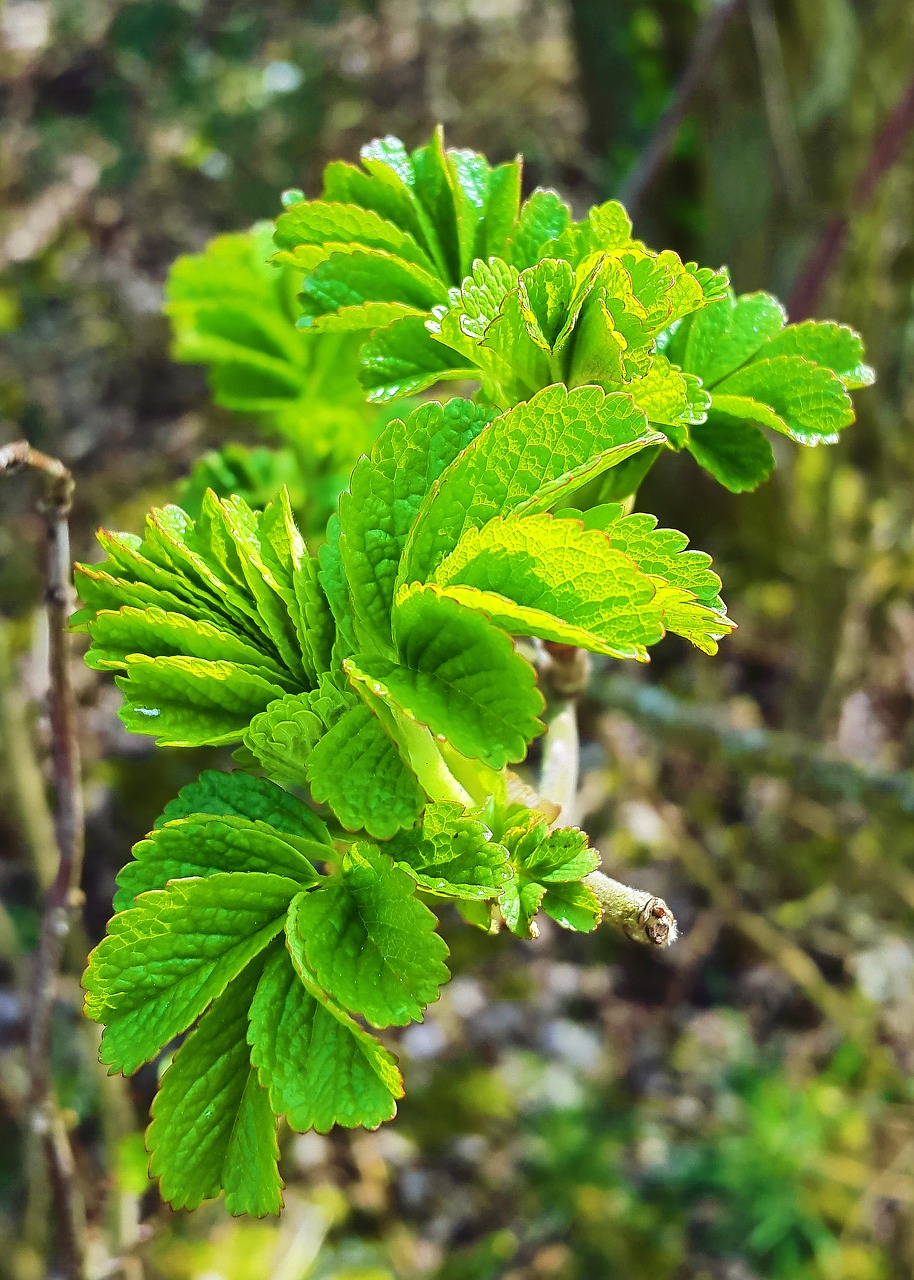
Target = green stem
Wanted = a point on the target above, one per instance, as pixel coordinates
(434, 776)
(641, 916)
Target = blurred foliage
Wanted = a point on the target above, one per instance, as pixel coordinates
(738, 1108)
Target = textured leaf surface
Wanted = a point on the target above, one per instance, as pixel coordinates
(721, 338)
(835, 346)
(206, 844)
(544, 216)
(364, 288)
(524, 462)
(688, 595)
(155, 633)
(404, 359)
(326, 223)
(212, 1124)
(572, 584)
(163, 961)
(458, 675)
(241, 796)
(789, 394)
(320, 1066)
(370, 942)
(283, 736)
(385, 493)
(452, 854)
(573, 906)
(188, 702)
(357, 769)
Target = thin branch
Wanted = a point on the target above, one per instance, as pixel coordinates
(756, 750)
(641, 916)
(63, 898)
(887, 149)
(657, 151)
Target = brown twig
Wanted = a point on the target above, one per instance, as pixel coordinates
(657, 151)
(63, 896)
(887, 149)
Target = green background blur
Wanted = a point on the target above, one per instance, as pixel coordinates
(738, 1107)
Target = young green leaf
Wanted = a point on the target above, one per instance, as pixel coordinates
(207, 844)
(452, 854)
(458, 675)
(524, 462)
(320, 1066)
(238, 795)
(369, 941)
(212, 1125)
(535, 575)
(357, 769)
(283, 736)
(385, 493)
(164, 960)
(187, 702)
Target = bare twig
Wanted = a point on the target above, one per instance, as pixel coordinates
(63, 898)
(657, 151)
(887, 149)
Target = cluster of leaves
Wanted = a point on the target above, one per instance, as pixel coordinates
(431, 257)
(377, 683)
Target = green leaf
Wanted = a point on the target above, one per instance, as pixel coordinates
(524, 462)
(369, 941)
(502, 210)
(320, 1066)
(519, 902)
(404, 359)
(789, 394)
(212, 1125)
(544, 216)
(316, 613)
(671, 399)
(573, 906)
(471, 310)
(458, 675)
(688, 595)
(835, 346)
(283, 736)
(384, 496)
(239, 795)
(560, 856)
(452, 854)
(722, 337)
(163, 961)
(332, 226)
(734, 451)
(155, 633)
(535, 575)
(357, 769)
(188, 702)
(335, 587)
(661, 553)
(207, 844)
(230, 532)
(364, 288)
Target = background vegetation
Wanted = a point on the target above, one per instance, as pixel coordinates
(738, 1106)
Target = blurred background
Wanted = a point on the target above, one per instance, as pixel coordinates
(735, 1108)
